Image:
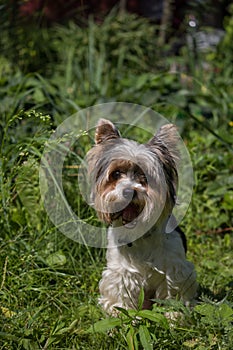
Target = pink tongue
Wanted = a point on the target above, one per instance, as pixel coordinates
(130, 213)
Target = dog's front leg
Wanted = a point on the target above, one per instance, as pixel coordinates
(119, 288)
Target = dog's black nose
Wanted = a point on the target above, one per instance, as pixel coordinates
(129, 193)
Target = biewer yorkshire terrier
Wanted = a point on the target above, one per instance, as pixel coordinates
(133, 189)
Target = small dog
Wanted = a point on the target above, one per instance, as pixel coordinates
(133, 189)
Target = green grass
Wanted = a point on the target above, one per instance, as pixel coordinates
(48, 283)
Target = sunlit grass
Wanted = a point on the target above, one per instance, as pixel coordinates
(49, 283)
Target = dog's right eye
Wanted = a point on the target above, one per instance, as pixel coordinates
(116, 174)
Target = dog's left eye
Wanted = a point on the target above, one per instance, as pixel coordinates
(116, 174)
(143, 179)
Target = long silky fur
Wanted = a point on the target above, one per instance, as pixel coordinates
(154, 260)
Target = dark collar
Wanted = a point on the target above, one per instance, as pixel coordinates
(146, 235)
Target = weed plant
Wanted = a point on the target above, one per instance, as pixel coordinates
(48, 283)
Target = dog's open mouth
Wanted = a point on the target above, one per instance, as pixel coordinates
(128, 215)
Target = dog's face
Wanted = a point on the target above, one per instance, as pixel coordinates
(133, 184)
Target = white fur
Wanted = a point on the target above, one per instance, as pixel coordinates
(140, 253)
(155, 262)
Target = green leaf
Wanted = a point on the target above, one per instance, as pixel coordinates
(145, 338)
(226, 312)
(228, 200)
(215, 314)
(131, 338)
(8, 336)
(123, 311)
(204, 309)
(104, 325)
(38, 95)
(141, 299)
(56, 259)
(154, 317)
(141, 80)
(68, 329)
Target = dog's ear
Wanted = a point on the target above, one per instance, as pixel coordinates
(166, 136)
(105, 130)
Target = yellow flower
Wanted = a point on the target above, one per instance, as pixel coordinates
(6, 312)
(204, 89)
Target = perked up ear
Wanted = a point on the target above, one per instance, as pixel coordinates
(167, 136)
(105, 130)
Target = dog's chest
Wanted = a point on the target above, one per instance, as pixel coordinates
(150, 267)
(147, 254)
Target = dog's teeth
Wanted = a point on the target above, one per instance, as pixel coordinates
(131, 224)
